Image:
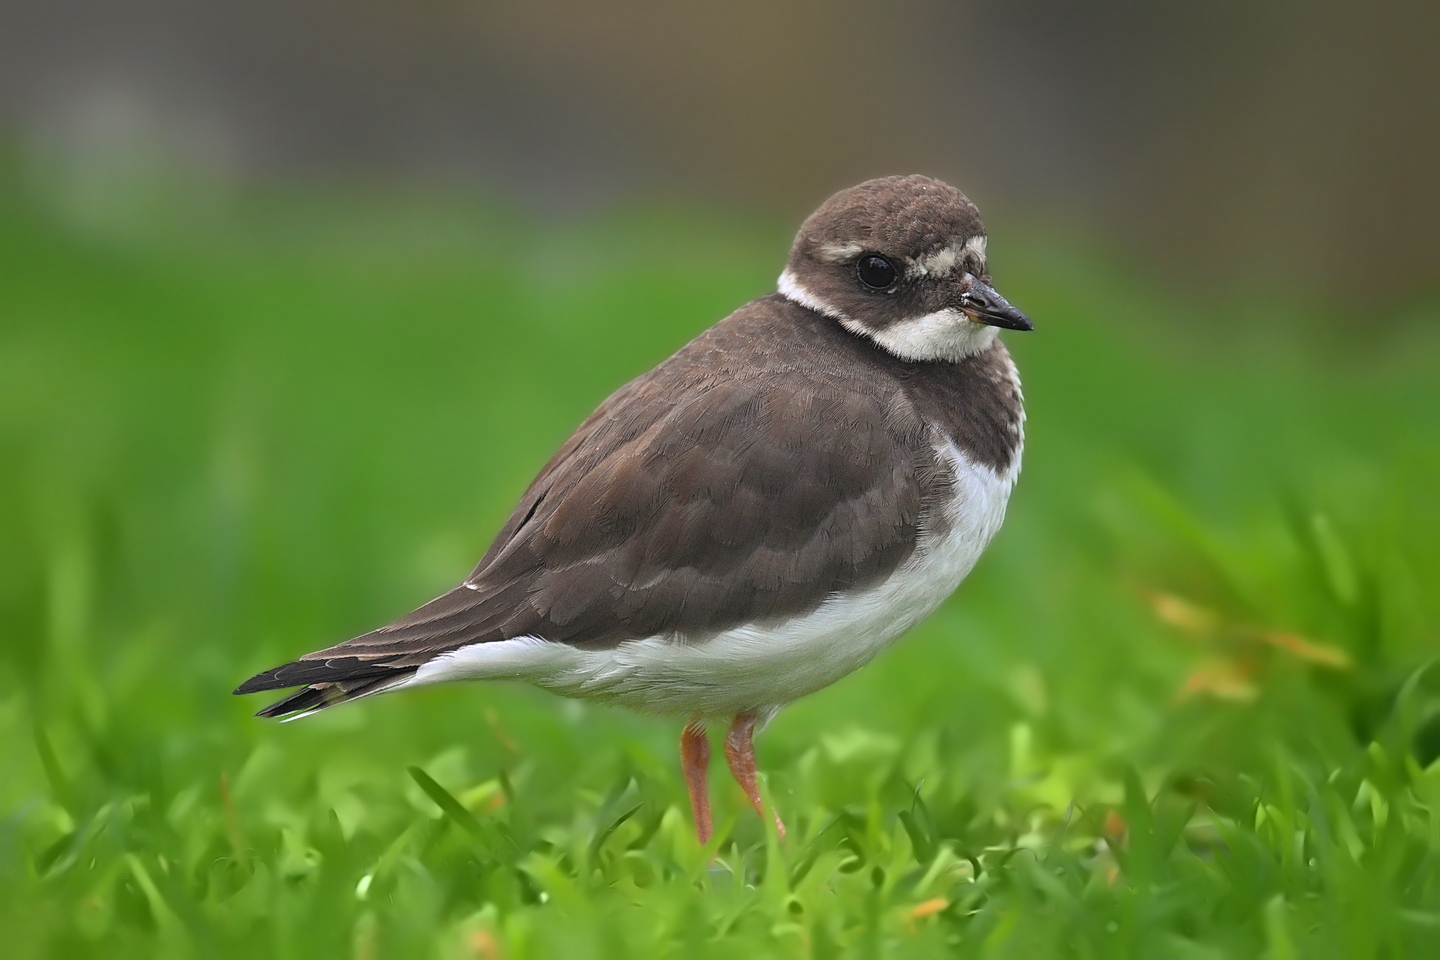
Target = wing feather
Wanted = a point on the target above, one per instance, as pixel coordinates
(712, 491)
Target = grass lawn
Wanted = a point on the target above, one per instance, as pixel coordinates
(1184, 707)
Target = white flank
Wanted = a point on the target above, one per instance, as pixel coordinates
(760, 667)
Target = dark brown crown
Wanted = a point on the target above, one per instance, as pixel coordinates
(898, 215)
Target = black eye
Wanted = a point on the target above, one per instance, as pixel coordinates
(875, 272)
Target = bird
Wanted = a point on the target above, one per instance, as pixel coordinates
(760, 514)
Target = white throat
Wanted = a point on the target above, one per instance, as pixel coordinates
(943, 335)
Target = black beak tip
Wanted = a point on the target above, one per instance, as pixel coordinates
(983, 305)
(1008, 319)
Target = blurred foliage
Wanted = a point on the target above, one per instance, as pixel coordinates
(1184, 707)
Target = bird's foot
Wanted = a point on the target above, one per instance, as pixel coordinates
(740, 752)
(694, 762)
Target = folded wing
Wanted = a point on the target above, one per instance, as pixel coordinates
(708, 493)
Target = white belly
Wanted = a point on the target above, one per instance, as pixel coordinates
(760, 668)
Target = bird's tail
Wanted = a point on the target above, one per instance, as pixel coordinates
(318, 696)
(378, 661)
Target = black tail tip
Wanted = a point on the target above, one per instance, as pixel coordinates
(311, 698)
(260, 683)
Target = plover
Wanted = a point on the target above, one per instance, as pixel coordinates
(759, 515)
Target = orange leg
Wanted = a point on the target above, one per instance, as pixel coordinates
(694, 761)
(740, 752)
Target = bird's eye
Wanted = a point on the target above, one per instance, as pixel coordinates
(876, 272)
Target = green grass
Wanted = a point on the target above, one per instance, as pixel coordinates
(1182, 709)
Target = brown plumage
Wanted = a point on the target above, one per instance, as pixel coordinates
(773, 460)
(782, 459)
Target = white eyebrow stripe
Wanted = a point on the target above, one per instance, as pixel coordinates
(942, 261)
(839, 252)
(937, 264)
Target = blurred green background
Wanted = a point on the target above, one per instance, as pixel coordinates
(294, 302)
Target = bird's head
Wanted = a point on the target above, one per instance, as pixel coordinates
(901, 260)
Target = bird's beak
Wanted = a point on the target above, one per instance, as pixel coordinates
(981, 303)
